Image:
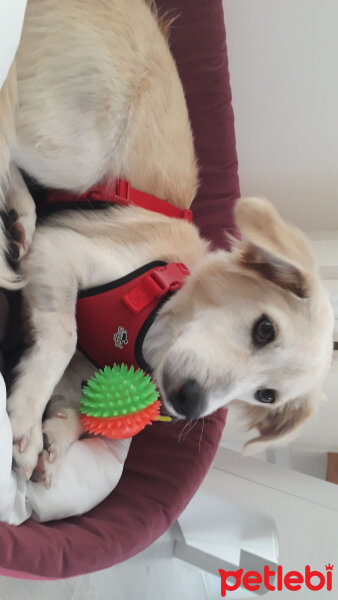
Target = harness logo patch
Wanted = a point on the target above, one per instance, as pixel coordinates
(121, 337)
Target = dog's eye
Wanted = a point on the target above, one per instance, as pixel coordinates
(263, 331)
(267, 396)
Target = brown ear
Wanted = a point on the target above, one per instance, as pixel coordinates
(273, 249)
(280, 272)
(280, 426)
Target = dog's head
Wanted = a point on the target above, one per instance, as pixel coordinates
(254, 326)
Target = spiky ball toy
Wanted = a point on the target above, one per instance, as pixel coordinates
(119, 402)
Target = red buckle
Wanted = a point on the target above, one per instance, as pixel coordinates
(143, 294)
(155, 285)
(121, 191)
(171, 276)
(118, 192)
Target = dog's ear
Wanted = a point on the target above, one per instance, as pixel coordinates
(272, 248)
(279, 426)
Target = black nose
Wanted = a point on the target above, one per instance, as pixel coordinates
(188, 400)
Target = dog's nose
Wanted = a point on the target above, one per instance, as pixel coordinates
(188, 400)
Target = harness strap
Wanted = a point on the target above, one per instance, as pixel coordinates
(120, 192)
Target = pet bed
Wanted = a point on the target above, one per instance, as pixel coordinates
(161, 474)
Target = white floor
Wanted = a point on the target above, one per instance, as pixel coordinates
(151, 575)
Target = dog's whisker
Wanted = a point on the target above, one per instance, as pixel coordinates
(194, 425)
(190, 426)
(180, 434)
(199, 442)
(182, 431)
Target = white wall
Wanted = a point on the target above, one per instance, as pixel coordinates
(11, 20)
(283, 58)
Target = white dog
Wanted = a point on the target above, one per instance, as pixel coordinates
(99, 97)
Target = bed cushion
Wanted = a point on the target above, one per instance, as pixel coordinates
(163, 470)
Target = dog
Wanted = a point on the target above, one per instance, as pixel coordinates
(100, 97)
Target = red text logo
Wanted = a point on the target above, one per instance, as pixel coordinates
(276, 580)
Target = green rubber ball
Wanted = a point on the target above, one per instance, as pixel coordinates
(117, 392)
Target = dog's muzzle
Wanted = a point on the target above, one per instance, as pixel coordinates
(188, 400)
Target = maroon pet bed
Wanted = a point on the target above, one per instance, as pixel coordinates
(161, 473)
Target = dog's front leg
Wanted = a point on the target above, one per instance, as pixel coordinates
(21, 215)
(38, 373)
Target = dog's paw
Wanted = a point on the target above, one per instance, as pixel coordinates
(47, 466)
(20, 230)
(27, 446)
(59, 432)
(27, 441)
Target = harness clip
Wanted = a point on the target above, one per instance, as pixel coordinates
(121, 191)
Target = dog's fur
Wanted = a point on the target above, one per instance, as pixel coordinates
(99, 96)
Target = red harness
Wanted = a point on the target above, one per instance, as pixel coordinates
(113, 319)
(118, 191)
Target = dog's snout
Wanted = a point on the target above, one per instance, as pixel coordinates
(188, 400)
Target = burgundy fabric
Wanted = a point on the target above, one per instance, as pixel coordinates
(198, 42)
(161, 473)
